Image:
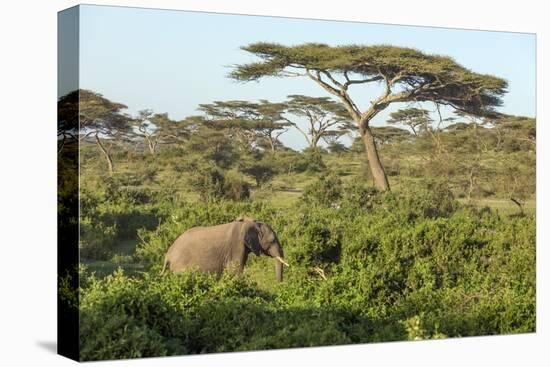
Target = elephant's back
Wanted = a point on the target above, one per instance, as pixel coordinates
(205, 234)
(185, 239)
(196, 244)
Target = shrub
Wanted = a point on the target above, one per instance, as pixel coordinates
(312, 161)
(326, 191)
(121, 209)
(262, 171)
(311, 238)
(193, 313)
(410, 264)
(235, 187)
(207, 180)
(96, 239)
(425, 199)
(357, 194)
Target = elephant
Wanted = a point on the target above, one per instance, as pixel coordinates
(214, 249)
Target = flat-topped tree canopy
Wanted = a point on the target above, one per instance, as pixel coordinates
(412, 117)
(323, 115)
(101, 114)
(263, 118)
(408, 74)
(320, 107)
(390, 134)
(244, 110)
(105, 120)
(67, 115)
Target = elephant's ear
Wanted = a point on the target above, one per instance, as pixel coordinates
(251, 238)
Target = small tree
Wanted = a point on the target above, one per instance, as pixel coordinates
(271, 124)
(261, 171)
(248, 121)
(415, 118)
(210, 141)
(405, 75)
(67, 119)
(331, 139)
(322, 115)
(513, 132)
(157, 129)
(389, 134)
(104, 120)
(145, 129)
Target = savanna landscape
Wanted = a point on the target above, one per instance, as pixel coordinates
(421, 226)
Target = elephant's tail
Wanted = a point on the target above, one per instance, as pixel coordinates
(166, 263)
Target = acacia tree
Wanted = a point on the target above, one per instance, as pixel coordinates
(405, 75)
(514, 130)
(104, 120)
(249, 121)
(271, 123)
(416, 119)
(389, 134)
(67, 119)
(155, 129)
(331, 139)
(209, 140)
(321, 114)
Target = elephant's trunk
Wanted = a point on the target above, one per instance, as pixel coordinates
(277, 253)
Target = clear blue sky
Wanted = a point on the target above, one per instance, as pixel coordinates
(171, 61)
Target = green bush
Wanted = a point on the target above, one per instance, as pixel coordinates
(96, 239)
(424, 199)
(117, 208)
(410, 264)
(194, 313)
(262, 171)
(235, 186)
(312, 161)
(326, 191)
(207, 180)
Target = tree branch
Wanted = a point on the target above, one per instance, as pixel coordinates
(362, 81)
(301, 131)
(344, 97)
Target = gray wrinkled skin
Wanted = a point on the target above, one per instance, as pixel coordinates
(225, 246)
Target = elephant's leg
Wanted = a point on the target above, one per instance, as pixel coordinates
(242, 262)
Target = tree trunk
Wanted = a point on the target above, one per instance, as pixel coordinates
(106, 154)
(271, 145)
(375, 165)
(315, 141)
(471, 178)
(151, 145)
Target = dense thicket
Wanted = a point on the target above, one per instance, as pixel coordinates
(409, 265)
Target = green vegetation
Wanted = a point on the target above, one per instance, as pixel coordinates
(448, 252)
(395, 267)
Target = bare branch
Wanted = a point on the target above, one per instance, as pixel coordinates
(331, 78)
(302, 131)
(362, 81)
(321, 272)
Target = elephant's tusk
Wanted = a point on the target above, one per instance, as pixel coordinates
(281, 260)
(321, 272)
